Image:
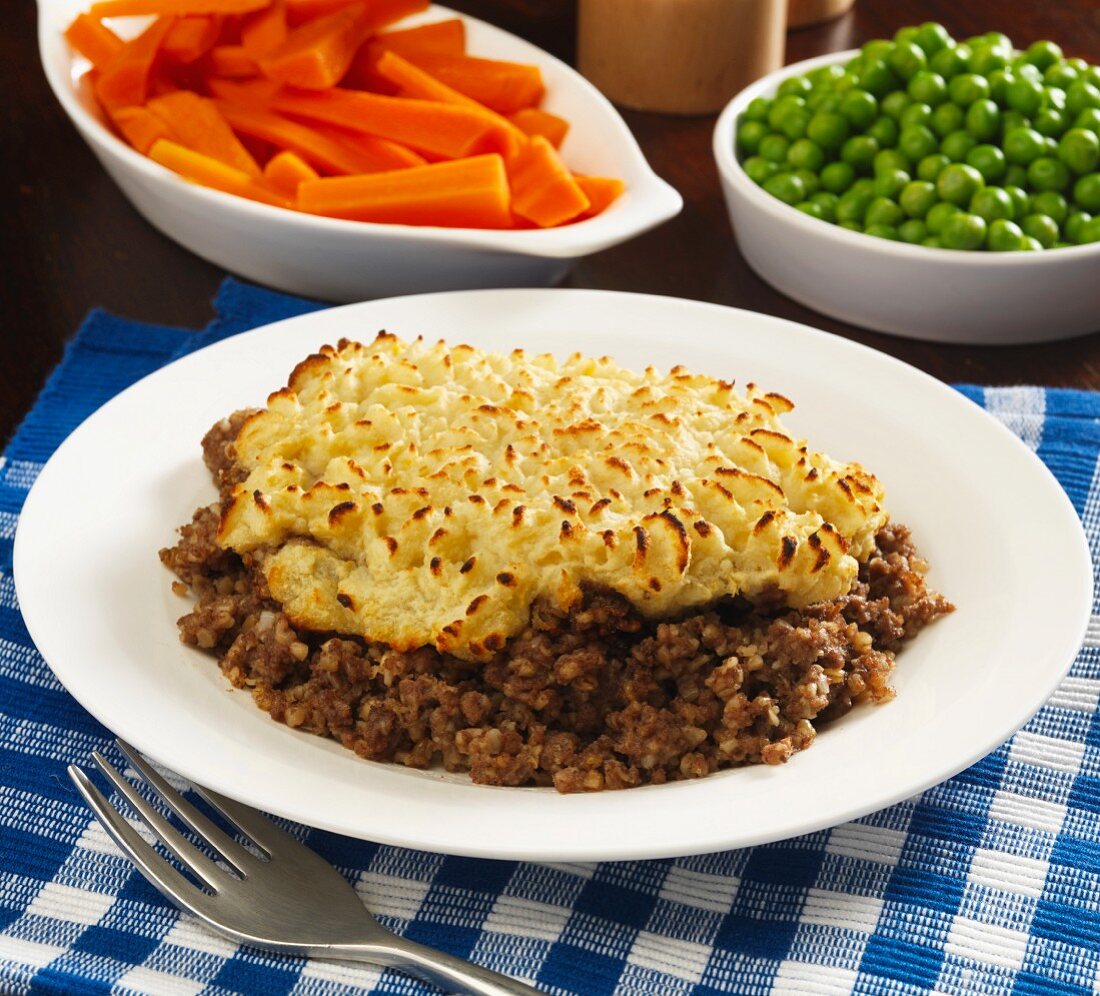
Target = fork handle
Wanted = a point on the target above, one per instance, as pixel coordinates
(451, 974)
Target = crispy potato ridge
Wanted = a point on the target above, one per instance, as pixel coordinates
(417, 494)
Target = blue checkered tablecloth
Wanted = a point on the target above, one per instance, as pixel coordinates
(988, 883)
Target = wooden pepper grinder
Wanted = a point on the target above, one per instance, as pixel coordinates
(678, 56)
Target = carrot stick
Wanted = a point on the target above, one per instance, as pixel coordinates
(601, 192)
(191, 37)
(451, 132)
(322, 152)
(285, 171)
(254, 93)
(534, 121)
(300, 11)
(124, 80)
(199, 125)
(500, 86)
(382, 12)
(163, 8)
(467, 193)
(381, 153)
(414, 82)
(231, 61)
(448, 37)
(543, 190)
(140, 127)
(93, 40)
(210, 172)
(265, 30)
(315, 55)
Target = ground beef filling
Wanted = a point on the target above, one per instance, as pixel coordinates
(594, 698)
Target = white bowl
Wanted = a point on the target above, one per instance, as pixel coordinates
(350, 260)
(913, 291)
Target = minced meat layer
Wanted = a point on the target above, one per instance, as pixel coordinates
(597, 697)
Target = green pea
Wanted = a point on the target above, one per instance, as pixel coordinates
(889, 159)
(1041, 228)
(852, 226)
(998, 40)
(1010, 120)
(884, 211)
(846, 82)
(806, 154)
(829, 129)
(1081, 95)
(894, 103)
(1024, 95)
(1015, 176)
(781, 107)
(938, 215)
(1043, 54)
(932, 242)
(984, 60)
(1049, 122)
(931, 166)
(1031, 244)
(882, 232)
(992, 203)
(1079, 149)
(927, 87)
(1020, 199)
(809, 181)
(949, 62)
(1026, 71)
(859, 152)
(1004, 236)
(749, 136)
(822, 99)
(906, 34)
(799, 86)
(795, 124)
(878, 48)
(987, 160)
(913, 231)
(1060, 75)
(998, 83)
(1047, 173)
(932, 37)
(968, 87)
(758, 109)
(859, 107)
(827, 202)
(1090, 232)
(825, 76)
(884, 130)
(916, 141)
(1086, 192)
(947, 118)
(1055, 99)
(956, 145)
(958, 183)
(1075, 221)
(1089, 119)
(890, 183)
(774, 148)
(963, 231)
(907, 59)
(852, 206)
(1051, 203)
(787, 187)
(915, 114)
(917, 198)
(983, 120)
(813, 210)
(758, 169)
(1092, 75)
(876, 77)
(1023, 145)
(837, 177)
(864, 187)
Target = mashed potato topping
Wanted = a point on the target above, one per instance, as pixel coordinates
(417, 494)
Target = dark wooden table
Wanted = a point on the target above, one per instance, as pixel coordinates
(71, 241)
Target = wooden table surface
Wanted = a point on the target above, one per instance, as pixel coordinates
(71, 242)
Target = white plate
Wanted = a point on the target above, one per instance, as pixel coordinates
(1003, 539)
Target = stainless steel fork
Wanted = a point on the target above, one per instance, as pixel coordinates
(288, 900)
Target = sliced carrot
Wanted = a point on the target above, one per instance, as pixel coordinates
(191, 37)
(211, 172)
(199, 125)
(382, 12)
(316, 54)
(451, 132)
(285, 171)
(164, 8)
(543, 190)
(93, 40)
(265, 30)
(601, 191)
(415, 82)
(534, 121)
(321, 151)
(140, 127)
(380, 152)
(468, 193)
(255, 93)
(448, 37)
(231, 61)
(124, 81)
(500, 86)
(300, 11)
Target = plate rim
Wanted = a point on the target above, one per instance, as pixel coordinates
(623, 850)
